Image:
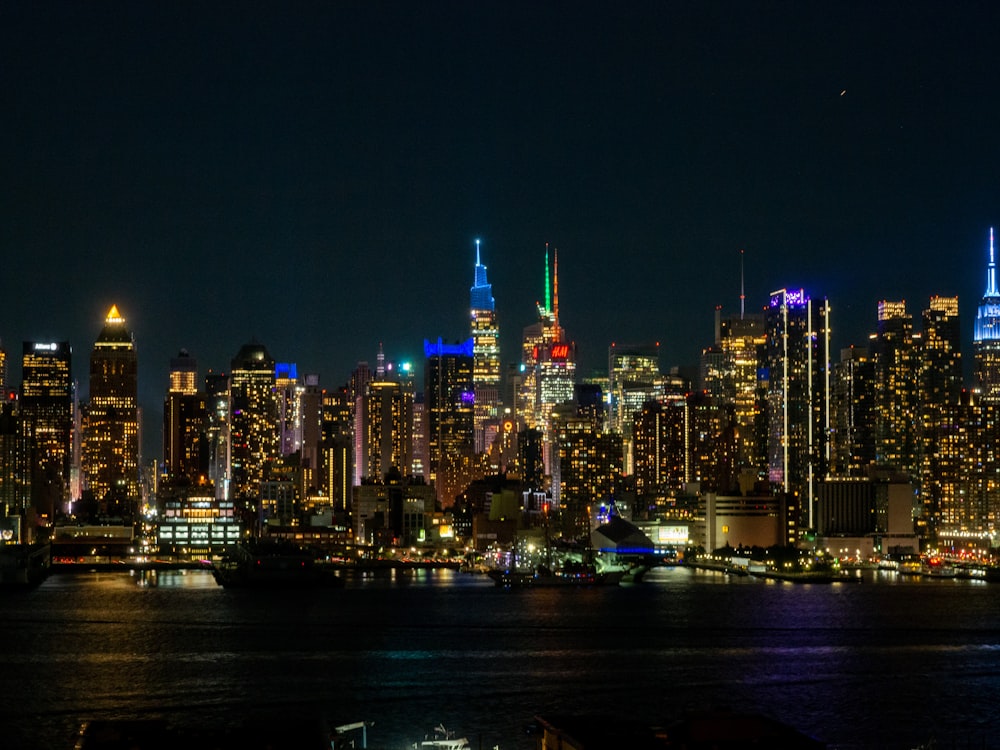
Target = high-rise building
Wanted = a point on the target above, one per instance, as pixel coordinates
(986, 336)
(110, 443)
(383, 425)
(852, 434)
(47, 419)
(185, 443)
(288, 395)
(337, 447)
(797, 356)
(217, 433)
(633, 379)
(536, 339)
(449, 397)
(895, 354)
(3, 372)
(730, 374)
(486, 357)
(254, 429)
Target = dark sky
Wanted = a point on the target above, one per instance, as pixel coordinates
(313, 175)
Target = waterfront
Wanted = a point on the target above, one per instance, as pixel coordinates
(891, 663)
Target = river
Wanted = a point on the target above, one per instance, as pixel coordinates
(891, 663)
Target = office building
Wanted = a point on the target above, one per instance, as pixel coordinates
(486, 357)
(110, 441)
(797, 356)
(47, 419)
(254, 429)
(986, 336)
(449, 398)
(185, 434)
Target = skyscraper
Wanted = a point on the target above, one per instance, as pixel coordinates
(185, 442)
(896, 360)
(548, 366)
(383, 427)
(253, 418)
(47, 421)
(110, 444)
(449, 397)
(798, 393)
(486, 356)
(986, 336)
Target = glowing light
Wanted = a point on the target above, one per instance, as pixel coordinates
(114, 316)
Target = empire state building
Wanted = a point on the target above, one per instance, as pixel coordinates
(986, 337)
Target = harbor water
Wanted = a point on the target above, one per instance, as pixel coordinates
(895, 662)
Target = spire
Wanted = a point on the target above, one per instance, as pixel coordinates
(742, 295)
(555, 292)
(481, 293)
(548, 296)
(116, 317)
(991, 272)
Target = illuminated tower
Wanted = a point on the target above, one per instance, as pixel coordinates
(448, 400)
(986, 336)
(253, 418)
(797, 356)
(110, 447)
(3, 372)
(47, 422)
(548, 366)
(486, 357)
(185, 443)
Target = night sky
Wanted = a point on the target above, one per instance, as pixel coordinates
(314, 175)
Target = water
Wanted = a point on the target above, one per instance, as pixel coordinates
(892, 663)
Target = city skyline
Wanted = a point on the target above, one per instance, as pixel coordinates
(315, 178)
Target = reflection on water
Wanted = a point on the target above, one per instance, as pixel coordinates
(889, 663)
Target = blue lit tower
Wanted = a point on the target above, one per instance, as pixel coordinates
(486, 356)
(986, 337)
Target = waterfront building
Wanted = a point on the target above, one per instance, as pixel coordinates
(254, 431)
(747, 520)
(486, 357)
(395, 511)
(449, 398)
(185, 417)
(110, 440)
(15, 485)
(857, 517)
(193, 523)
(986, 335)
(797, 356)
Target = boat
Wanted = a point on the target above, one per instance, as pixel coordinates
(272, 564)
(570, 574)
(23, 565)
(443, 740)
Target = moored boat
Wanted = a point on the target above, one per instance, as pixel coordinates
(272, 564)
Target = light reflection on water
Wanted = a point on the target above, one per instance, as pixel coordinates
(889, 663)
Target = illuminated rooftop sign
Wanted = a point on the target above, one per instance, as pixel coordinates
(791, 297)
(440, 349)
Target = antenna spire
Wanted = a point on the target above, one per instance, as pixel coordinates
(548, 293)
(477, 253)
(991, 272)
(742, 295)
